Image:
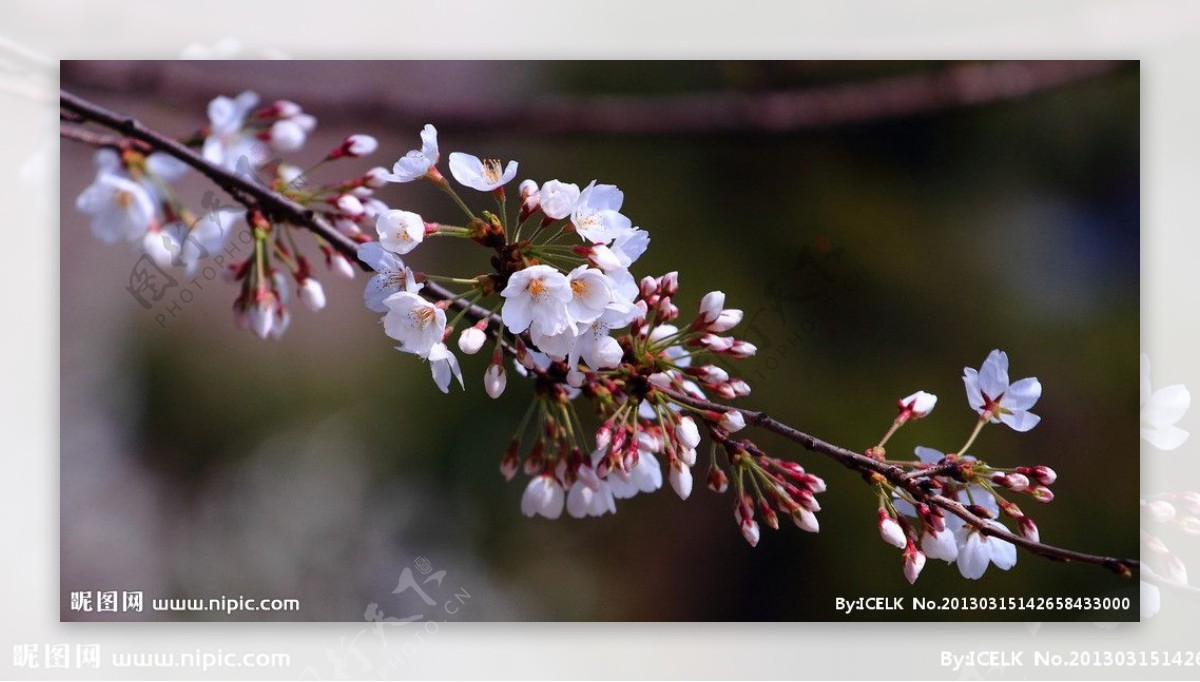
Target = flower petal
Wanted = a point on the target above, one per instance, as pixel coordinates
(971, 381)
(973, 554)
(1022, 395)
(1164, 437)
(1166, 405)
(993, 375)
(1020, 420)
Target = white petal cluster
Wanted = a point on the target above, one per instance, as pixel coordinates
(417, 163)
(990, 394)
(959, 542)
(237, 132)
(1161, 410)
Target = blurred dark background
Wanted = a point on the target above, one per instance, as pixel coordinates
(874, 255)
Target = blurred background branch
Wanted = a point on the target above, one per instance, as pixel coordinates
(770, 110)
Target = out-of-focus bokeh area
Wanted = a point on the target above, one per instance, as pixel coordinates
(873, 258)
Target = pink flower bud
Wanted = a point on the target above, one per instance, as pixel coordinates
(1041, 493)
(359, 145)
(1029, 529)
(494, 380)
(890, 531)
(1191, 501)
(718, 482)
(726, 320)
(916, 405)
(471, 340)
(376, 177)
(510, 461)
(914, 561)
(805, 520)
(711, 306)
(668, 285)
(286, 136)
(341, 267)
(350, 205)
(681, 479)
(742, 349)
(733, 421)
(648, 286)
(1159, 511)
(1174, 569)
(312, 294)
(687, 433)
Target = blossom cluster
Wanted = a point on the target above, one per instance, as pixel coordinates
(133, 199)
(926, 531)
(565, 298)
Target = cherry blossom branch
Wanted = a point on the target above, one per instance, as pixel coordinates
(279, 207)
(242, 189)
(908, 481)
(954, 85)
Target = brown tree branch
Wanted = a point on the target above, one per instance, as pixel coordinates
(284, 209)
(899, 478)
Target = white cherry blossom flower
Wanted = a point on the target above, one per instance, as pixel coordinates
(590, 495)
(417, 163)
(120, 208)
(416, 323)
(484, 175)
(940, 545)
(400, 231)
(645, 477)
(990, 394)
(976, 551)
(443, 364)
(544, 496)
(391, 276)
(597, 216)
(629, 245)
(537, 298)
(558, 199)
(592, 342)
(1162, 410)
(227, 143)
(590, 294)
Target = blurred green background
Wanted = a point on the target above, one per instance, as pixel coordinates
(872, 258)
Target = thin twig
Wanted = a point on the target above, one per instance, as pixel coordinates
(282, 208)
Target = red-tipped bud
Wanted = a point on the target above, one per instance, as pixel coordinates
(718, 482)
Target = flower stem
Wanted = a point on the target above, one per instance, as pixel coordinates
(896, 424)
(445, 187)
(978, 427)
